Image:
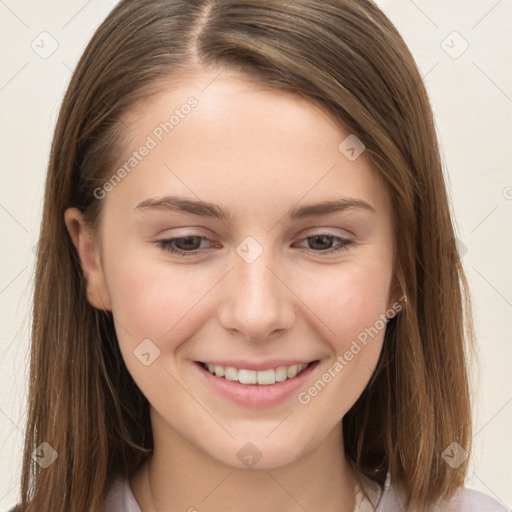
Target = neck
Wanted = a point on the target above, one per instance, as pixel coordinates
(180, 477)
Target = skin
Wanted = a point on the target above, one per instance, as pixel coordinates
(258, 153)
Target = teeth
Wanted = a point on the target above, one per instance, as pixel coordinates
(231, 373)
(264, 377)
(247, 376)
(281, 374)
(291, 371)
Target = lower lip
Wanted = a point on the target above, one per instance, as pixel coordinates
(256, 395)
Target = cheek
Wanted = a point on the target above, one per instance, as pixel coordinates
(155, 311)
(348, 301)
(151, 299)
(351, 308)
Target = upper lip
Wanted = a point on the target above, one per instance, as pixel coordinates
(258, 366)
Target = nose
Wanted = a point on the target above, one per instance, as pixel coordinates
(257, 302)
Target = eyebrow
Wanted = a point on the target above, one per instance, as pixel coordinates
(207, 209)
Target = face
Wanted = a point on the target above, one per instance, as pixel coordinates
(211, 252)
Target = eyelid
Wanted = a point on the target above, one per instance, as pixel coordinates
(326, 231)
(318, 231)
(184, 232)
(344, 243)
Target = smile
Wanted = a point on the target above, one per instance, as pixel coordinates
(263, 377)
(252, 384)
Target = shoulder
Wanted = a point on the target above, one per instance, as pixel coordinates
(464, 500)
(120, 498)
(469, 500)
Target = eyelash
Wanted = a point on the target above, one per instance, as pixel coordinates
(167, 245)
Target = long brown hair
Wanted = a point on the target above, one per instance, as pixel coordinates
(346, 56)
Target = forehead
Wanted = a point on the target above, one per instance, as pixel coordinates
(219, 135)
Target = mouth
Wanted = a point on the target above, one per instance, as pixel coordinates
(255, 388)
(246, 376)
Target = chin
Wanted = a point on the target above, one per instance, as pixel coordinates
(258, 452)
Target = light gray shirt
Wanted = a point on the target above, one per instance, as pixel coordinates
(375, 498)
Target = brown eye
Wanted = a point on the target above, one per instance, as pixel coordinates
(322, 243)
(182, 246)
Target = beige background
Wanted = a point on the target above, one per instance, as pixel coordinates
(471, 92)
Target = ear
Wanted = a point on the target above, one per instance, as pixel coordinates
(89, 254)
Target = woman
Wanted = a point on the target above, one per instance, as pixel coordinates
(256, 368)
